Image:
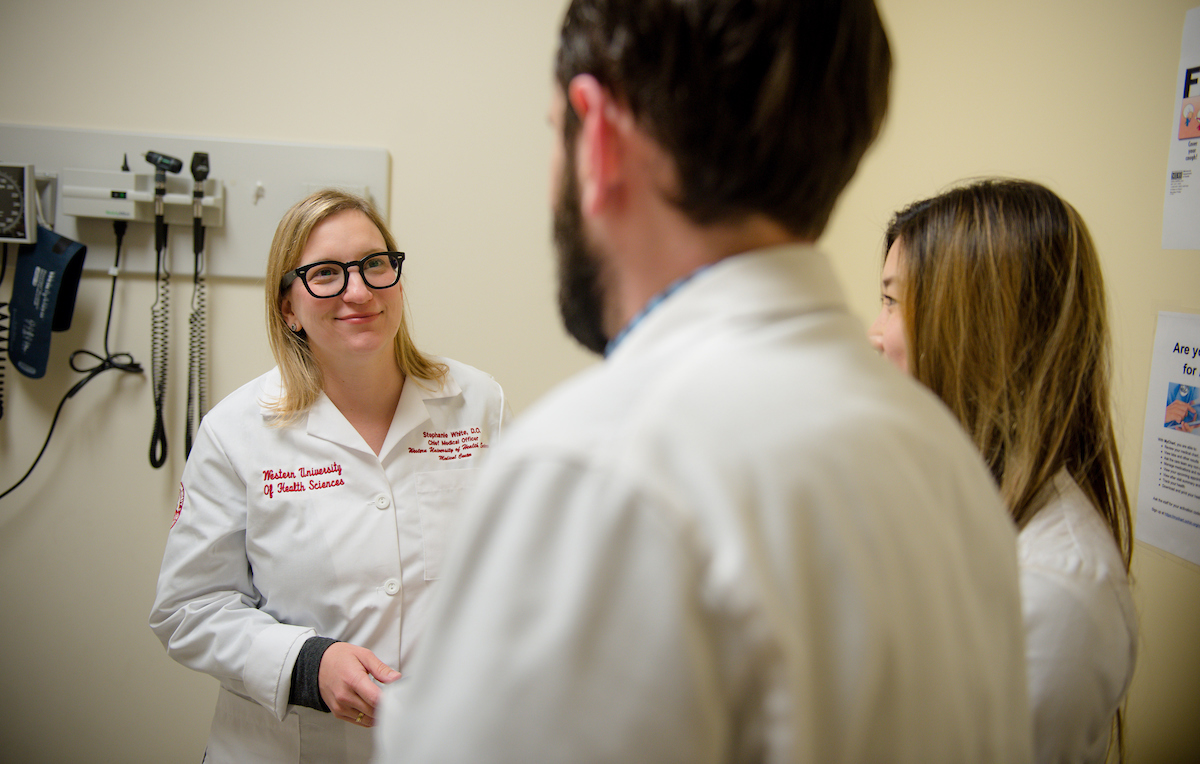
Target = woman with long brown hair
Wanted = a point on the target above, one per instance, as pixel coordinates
(993, 298)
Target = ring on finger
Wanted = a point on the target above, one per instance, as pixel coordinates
(359, 719)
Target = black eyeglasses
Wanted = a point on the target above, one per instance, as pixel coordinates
(328, 278)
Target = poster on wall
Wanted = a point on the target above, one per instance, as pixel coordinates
(1181, 209)
(1168, 505)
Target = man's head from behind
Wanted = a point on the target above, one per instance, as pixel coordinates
(765, 106)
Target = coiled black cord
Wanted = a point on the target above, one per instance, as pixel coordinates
(197, 399)
(4, 317)
(160, 316)
(119, 361)
(197, 394)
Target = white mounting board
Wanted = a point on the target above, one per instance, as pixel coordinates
(261, 180)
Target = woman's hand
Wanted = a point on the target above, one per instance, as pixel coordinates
(345, 682)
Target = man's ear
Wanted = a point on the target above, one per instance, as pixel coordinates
(599, 149)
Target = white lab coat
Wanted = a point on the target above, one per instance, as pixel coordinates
(1081, 625)
(743, 538)
(282, 534)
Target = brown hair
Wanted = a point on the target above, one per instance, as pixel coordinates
(1006, 320)
(302, 377)
(765, 106)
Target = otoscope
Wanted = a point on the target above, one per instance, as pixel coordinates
(162, 165)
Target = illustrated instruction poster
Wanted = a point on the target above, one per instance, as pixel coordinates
(1181, 209)
(1168, 508)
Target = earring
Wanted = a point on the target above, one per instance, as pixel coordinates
(293, 327)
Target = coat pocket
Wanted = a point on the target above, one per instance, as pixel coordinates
(439, 499)
(244, 731)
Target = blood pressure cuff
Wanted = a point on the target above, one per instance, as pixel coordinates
(45, 283)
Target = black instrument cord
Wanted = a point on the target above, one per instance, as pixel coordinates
(4, 318)
(119, 361)
(197, 395)
(159, 344)
(160, 311)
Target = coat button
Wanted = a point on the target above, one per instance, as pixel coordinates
(382, 501)
(392, 586)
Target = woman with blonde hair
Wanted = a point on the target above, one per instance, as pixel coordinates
(315, 505)
(993, 298)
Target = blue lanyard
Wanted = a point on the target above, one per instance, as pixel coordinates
(654, 302)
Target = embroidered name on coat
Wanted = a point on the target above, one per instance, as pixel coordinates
(283, 481)
(457, 444)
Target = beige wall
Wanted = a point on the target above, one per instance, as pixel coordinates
(1075, 93)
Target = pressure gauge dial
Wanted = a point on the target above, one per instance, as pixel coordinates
(17, 215)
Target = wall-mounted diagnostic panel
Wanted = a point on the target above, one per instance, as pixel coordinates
(96, 177)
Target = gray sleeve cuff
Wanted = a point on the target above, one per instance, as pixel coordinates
(306, 689)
